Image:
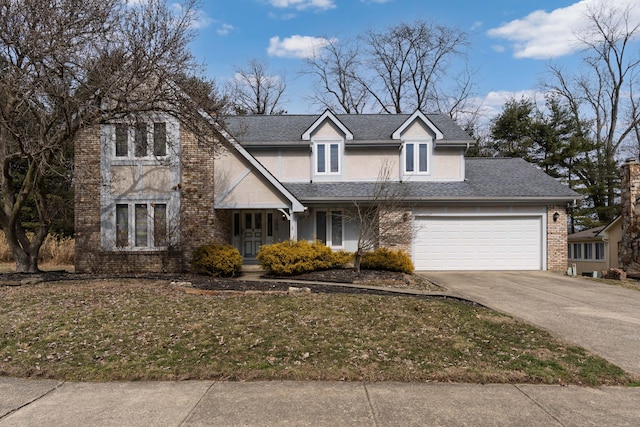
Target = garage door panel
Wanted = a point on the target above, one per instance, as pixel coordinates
(478, 243)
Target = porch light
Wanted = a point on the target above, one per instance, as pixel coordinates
(556, 216)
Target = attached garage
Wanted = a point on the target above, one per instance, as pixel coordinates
(479, 243)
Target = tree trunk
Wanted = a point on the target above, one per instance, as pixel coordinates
(25, 262)
(357, 260)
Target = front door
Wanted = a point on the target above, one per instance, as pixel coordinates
(252, 226)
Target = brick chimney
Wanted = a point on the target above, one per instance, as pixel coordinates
(629, 245)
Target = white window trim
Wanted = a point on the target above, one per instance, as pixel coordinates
(327, 143)
(329, 224)
(140, 195)
(416, 157)
(172, 135)
(131, 225)
(583, 251)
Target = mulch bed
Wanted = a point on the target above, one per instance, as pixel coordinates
(369, 277)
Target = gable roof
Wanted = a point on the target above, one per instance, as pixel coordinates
(296, 206)
(263, 130)
(487, 179)
(327, 115)
(397, 134)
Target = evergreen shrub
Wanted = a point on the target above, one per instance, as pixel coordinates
(217, 260)
(297, 257)
(387, 260)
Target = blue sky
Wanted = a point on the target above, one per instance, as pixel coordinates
(512, 41)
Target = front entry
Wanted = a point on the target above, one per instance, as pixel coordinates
(252, 233)
(253, 228)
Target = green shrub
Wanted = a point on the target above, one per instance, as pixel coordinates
(217, 260)
(290, 257)
(388, 260)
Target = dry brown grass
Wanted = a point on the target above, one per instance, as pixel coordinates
(55, 250)
(130, 329)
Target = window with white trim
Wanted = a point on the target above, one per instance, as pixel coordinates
(587, 251)
(599, 250)
(141, 225)
(415, 157)
(133, 141)
(330, 228)
(327, 157)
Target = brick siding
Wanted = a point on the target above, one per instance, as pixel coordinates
(557, 238)
(198, 219)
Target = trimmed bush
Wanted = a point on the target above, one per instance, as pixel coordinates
(387, 260)
(289, 257)
(217, 260)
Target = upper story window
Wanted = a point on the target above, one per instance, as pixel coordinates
(327, 157)
(416, 157)
(135, 141)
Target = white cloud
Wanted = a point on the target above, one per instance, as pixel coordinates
(296, 46)
(303, 4)
(545, 35)
(225, 29)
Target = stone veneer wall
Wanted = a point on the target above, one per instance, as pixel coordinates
(557, 238)
(198, 219)
(629, 245)
(402, 235)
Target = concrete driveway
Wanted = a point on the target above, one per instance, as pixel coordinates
(604, 319)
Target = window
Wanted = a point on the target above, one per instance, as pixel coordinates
(329, 228)
(122, 226)
(588, 251)
(269, 224)
(416, 157)
(599, 250)
(236, 224)
(140, 140)
(141, 225)
(336, 228)
(577, 251)
(159, 139)
(139, 144)
(142, 236)
(160, 224)
(328, 158)
(569, 251)
(122, 140)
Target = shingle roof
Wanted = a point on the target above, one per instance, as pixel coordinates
(590, 234)
(486, 179)
(267, 130)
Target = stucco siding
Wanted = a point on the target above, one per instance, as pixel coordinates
(448, 165)
(366, 164)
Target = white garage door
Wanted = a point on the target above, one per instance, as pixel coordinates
(478, 243)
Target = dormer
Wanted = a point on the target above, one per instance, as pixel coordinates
(426, 154)
(327, 136)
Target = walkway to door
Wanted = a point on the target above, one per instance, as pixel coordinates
(604, 319)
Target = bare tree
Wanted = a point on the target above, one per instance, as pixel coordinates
(256, 91)
(409, 62)
(336, 67)
(381, 218)
(70, 65)
(603, 94)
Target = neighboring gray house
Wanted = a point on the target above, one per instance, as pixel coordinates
(294, 176)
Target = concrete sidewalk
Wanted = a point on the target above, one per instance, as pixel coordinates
(193, 403)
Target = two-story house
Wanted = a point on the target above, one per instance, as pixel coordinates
(272, 178)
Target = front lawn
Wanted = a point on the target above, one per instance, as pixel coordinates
(140, 329)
